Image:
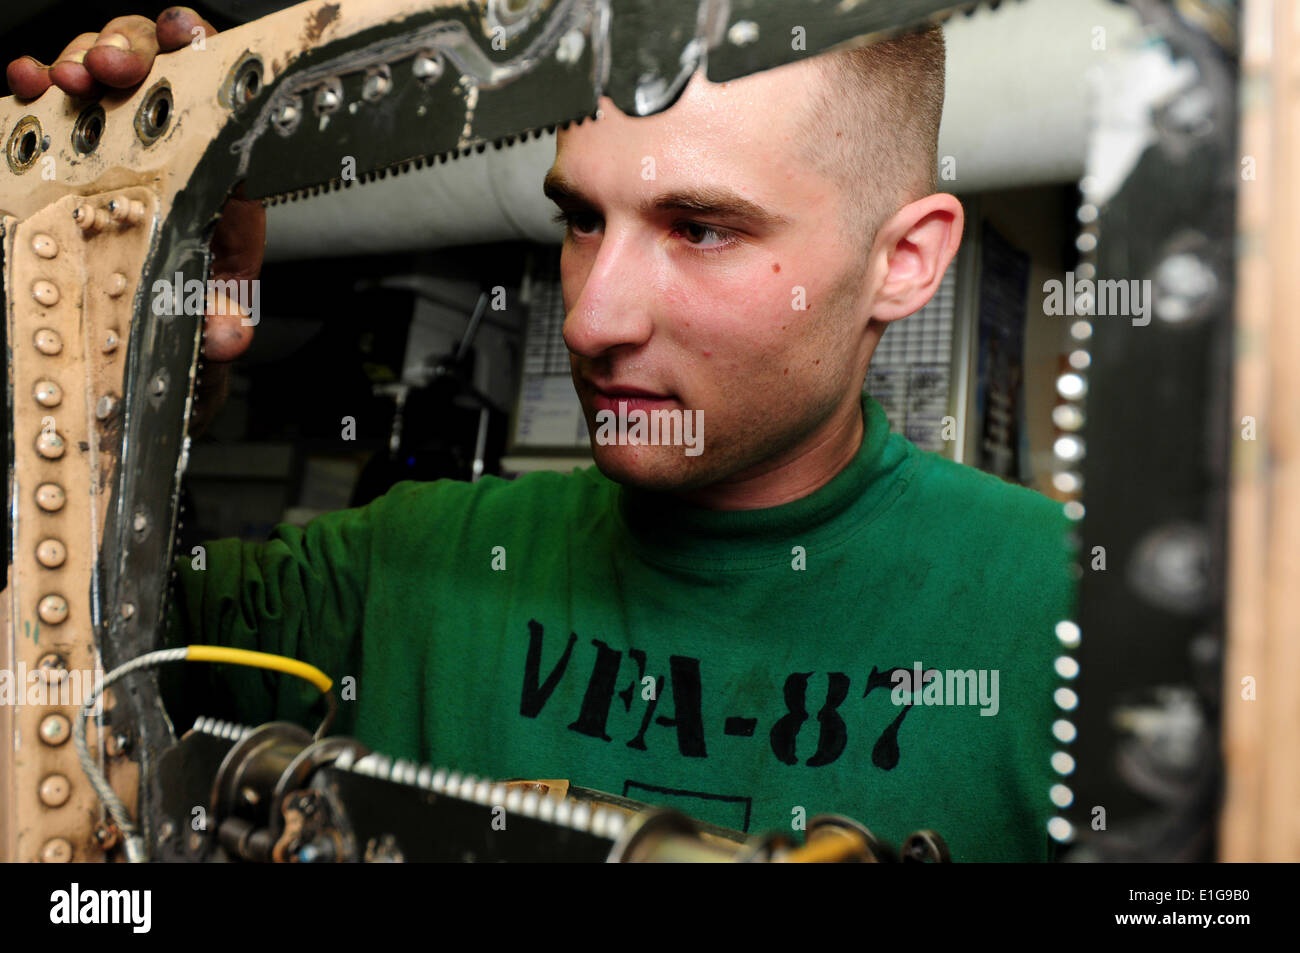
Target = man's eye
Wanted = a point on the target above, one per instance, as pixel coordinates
(577, 221)
(703, 237)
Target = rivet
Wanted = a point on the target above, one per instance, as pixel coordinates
(128, 610)
(286, 118)
(90, 219)
(105, 406)
(84, 216)
(47, 393)
(45, 293)
(51, 553)
(427, 67)
(52, 609)
(116, 284)
(139, 522)
(327, 100)
(57, 850)
(48, 341)
(106, 836)
(55, 729)
(376, 84)
(110, 341)
(44, 246)
(125, 211)
(158, 386)
(50, 445)
(52, 666)
(50, 497)
(54, 790)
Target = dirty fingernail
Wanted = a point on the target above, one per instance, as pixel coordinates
(115, 40)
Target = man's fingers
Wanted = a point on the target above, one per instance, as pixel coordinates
(27, 78)
(69, 72)
(239, 240)
(176, 26)
(120, 55)
(237, 248)
(123, 54)
(225, 335)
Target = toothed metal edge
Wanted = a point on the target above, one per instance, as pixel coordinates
(571, 814)
(416, 164)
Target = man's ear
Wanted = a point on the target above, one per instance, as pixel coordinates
(911, 251)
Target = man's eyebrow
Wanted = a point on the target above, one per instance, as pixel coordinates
(710, 200)
(701, 200)
(561, 191)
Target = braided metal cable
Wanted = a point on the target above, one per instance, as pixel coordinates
(135, 846)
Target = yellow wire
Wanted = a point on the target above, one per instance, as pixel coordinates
(278, 663)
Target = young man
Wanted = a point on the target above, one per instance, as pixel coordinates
(739, 633)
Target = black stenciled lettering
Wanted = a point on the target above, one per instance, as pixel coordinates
(688, 714)
(534, 697)
(600, 693)
(639, 741)
(737, 727)
(885, 752)
(626, 694)
(786, 729)
(834, 734)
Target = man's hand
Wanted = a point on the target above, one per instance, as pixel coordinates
(120, 56)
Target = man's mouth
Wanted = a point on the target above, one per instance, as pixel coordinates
(611, 396)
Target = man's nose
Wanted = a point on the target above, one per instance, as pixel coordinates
(614, 305)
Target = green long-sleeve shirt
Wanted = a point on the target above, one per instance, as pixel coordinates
(743, 667)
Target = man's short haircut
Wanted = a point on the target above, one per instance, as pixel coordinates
(876, 129)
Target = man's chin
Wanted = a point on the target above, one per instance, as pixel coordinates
(663, 469)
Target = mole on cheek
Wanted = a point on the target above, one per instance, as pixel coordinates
(776, 266)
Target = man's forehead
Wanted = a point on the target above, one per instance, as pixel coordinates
(742, 135)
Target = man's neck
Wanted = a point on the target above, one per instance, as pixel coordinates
(802, 471)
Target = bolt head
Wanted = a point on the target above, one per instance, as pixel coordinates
(427, 67)
(56, 850)
(55, 729)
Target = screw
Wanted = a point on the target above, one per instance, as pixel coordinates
(55, 729)
(427, 67)
(376, 84)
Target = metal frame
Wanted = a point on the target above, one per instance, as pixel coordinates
(1173, 211)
